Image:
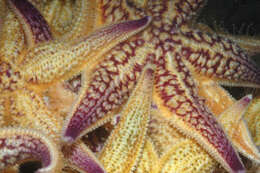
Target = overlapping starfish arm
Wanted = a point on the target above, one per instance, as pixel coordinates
(58, 14)
(176, 97)
(18, 145)
(84, 21)
(237, 131)
(217, 99)
(248, 43)
(149, 158)
(2, 13)
(47, 62)
(123, 147)
(253, 119)
(28, 109)
(177, 12)
(114, 11)
(106, 87)
(218, 58)
(69, 19)
(161, 132)
(165, 137)
(34, 25)
(12, 39)
(221, 103)
(82, 159)
(184, 156)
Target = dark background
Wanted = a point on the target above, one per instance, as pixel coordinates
(238, 17)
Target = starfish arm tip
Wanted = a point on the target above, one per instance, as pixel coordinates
(19, 144)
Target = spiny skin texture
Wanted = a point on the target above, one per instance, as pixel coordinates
(149, 158)
(178, 54)
(122, 149)
(253, 119)
(234, 124)
(171, 160)
(32, 62)
(173, 148)
(18, 144)
(34, 24)
(231, 114)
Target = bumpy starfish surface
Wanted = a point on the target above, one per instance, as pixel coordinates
(166, 64)
(178, 54)
(31, 62)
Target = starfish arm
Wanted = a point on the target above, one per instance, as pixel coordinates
(2, 13)
(217, 99)
(58, 14)
(176, 96)
(149, 158)
(175, 13)
(249, 44)
(217, 57)
(123, 147)
(48, 63)
(12, 39)
(17, 145)
(184, 10)
(253, 119)
(27, 109)
(233, 122)
(84, 22)
(185, 156)
(34, 25)
(70, 20)
(162, 133)
(114, 11)
(165, 137)
(82, 159)
(105, 87)
(226, 109)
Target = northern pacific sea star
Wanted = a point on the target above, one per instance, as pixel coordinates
(25, 118)
(177, 55)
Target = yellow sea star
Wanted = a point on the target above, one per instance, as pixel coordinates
(179, 56)
(29, 58)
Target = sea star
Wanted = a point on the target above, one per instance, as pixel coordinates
(29, 58)
(178, 54)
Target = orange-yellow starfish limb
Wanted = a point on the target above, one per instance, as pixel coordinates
(123, 148)
(233, 122)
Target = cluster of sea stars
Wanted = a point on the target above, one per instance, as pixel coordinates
(136, 63)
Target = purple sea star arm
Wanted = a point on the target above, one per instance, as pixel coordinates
(105, 87)
(46, 63)
(34, 25)
(176, 96)
(17, 145)
(216, 57)
(82, 159)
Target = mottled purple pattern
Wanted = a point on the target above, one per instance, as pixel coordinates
(80, 156)
(86, 115)
(134, 24)
(198, 118)
(23, 147)
(34, 19)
